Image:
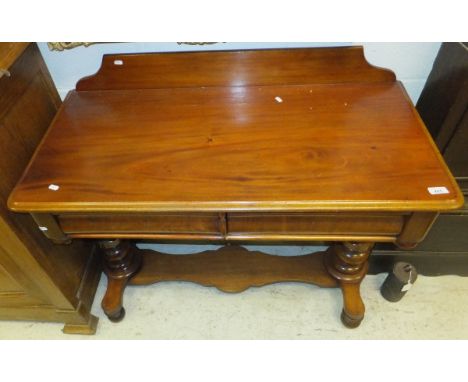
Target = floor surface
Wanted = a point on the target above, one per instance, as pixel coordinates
(435, 308)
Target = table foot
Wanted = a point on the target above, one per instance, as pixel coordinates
(118, 316)
(350, 322)
(347, 263)
(121, 261)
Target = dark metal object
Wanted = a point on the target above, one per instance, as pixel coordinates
(399, 281)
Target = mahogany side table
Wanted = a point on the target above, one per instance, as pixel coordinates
(277, 146)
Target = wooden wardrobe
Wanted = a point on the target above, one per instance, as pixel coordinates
(38, 280)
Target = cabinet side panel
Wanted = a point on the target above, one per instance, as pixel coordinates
(28, 103)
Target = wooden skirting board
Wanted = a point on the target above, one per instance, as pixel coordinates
(426, 263)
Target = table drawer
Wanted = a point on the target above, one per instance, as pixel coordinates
(315, 224)
(162, 223)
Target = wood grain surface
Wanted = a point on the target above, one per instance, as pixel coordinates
(233, 269)
(321, 147)
(9, 53)
(39, 281)
(275, 145)
(234, 68)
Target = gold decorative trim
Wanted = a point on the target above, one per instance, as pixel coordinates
(61, 46)
(196, 43)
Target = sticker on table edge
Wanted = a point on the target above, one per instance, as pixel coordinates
(439, 190)
(53, 187)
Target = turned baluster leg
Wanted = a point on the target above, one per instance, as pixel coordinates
(347, 263)
(121, 262)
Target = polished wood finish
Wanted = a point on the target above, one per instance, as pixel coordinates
(315, 224)
(347, 263)
(233, 269)
(232, 226)
(443, 106)
(121, 262)
(38, 280)
(234, 69)
(48, 224)
(201, 223)
(254, 146)
(416, 227)
(448, 233)
(240, 227)
(231, 149)
(9, 53)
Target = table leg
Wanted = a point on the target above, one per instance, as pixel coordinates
(121, 261)
(347, 263)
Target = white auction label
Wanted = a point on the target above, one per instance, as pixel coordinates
(438, 190)
(406, 287)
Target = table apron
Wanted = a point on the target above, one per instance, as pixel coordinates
(405, 228)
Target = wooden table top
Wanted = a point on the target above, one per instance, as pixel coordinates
(311, 147)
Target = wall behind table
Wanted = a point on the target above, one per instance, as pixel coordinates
(411, 62)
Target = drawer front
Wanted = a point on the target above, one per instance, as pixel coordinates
(164, 223)
(234, 226)
(315, 224)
